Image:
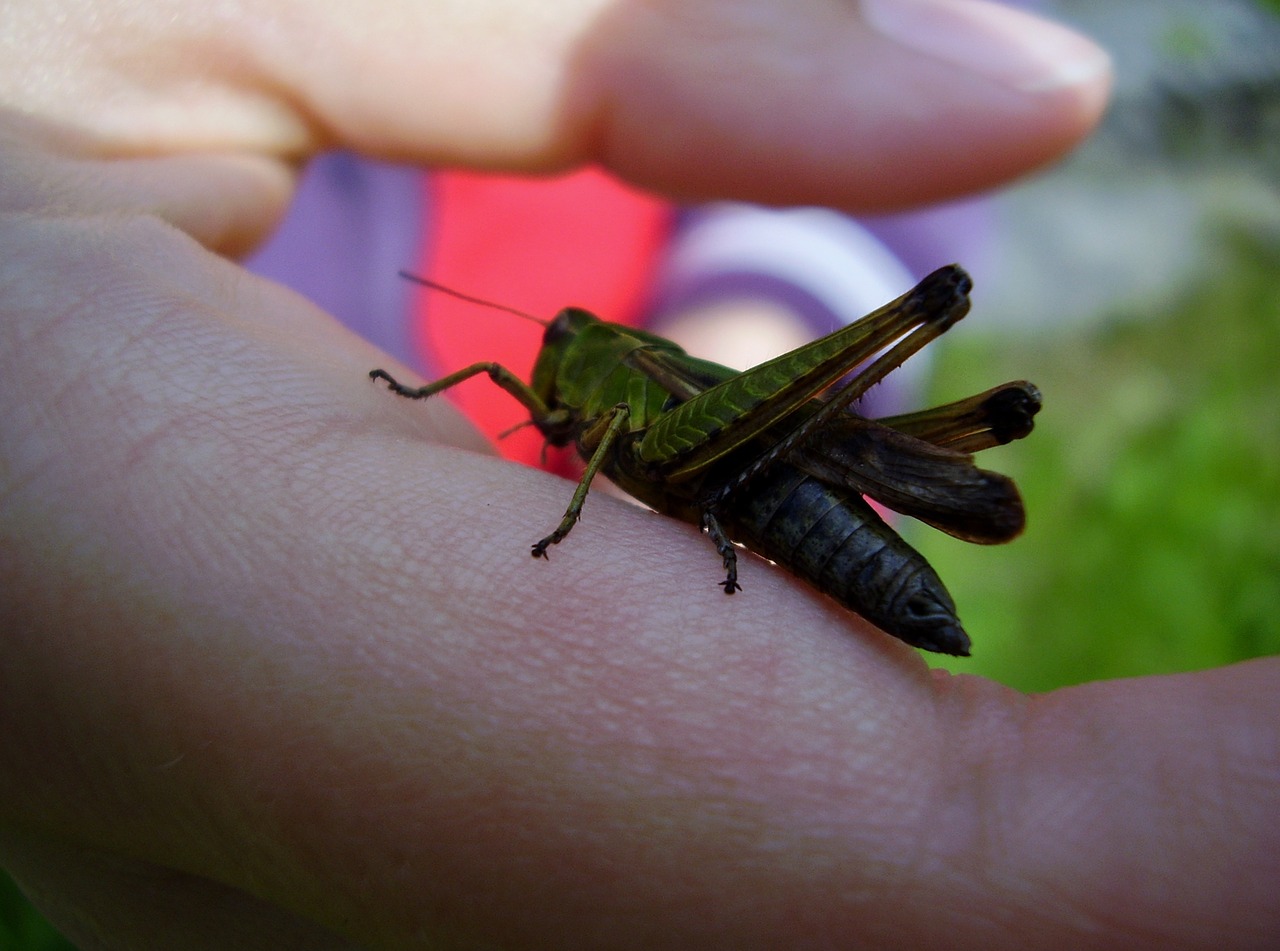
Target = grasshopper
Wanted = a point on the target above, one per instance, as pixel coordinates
(774, 459)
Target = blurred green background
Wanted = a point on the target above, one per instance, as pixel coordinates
(1152, 485)
(1139, 288)
(1141, 293)
(21, 929)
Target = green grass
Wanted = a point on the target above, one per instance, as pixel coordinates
(1152, 484)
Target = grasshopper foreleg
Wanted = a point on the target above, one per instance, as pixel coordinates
(398, 388)
(728, 554)
(612, 423)
(500, 375)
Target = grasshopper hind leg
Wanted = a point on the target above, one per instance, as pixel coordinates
(728, 554)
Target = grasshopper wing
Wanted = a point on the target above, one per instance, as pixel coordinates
(920, 464)
(692, 436)
(939, 486)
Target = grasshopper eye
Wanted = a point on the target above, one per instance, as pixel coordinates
(560, 328)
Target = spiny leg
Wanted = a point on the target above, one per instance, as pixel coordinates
(613, 424)
(728, 554)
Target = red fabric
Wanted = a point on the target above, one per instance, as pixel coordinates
(537, 245)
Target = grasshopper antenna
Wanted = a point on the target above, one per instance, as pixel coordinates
(469, 299)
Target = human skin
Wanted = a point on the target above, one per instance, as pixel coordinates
(278, 671)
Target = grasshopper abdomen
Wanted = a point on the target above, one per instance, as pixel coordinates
(833, 539)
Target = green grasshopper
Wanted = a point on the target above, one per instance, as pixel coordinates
(774, 459)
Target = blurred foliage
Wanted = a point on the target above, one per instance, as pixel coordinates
(21, 929)
(1152, 485)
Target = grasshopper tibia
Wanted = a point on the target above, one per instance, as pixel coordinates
(606, 430)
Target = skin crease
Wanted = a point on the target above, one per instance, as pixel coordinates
(279, 671)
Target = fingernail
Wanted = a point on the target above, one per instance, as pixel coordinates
(1011, 47)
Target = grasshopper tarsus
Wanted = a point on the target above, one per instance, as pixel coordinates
(728, 555)
(395, 386)
(539, 549)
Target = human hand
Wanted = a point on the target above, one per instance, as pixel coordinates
(247, 702)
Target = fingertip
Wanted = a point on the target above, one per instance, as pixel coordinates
(1061, 78)
(1034, 88)
(1023, 52)
(873, 108)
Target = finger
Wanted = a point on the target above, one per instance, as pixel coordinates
(870, 106)
(867, 105)
(228, 202)
(1127, 814)
(290, 649)
(263, 637)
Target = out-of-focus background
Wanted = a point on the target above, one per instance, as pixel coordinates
(1138, 284)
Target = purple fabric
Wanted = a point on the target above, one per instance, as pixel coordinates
(747, 285)
(353, 224)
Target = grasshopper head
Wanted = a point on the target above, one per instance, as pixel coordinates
(556, 343)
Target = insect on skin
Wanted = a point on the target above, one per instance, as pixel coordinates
(773, 458)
